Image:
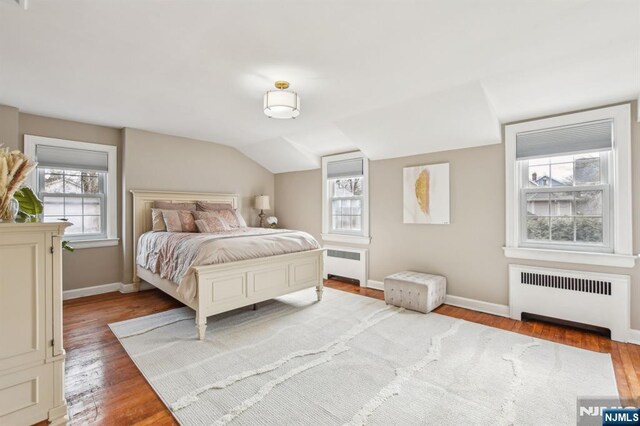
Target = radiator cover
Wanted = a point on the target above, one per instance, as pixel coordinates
(585, 297)
(348, 262)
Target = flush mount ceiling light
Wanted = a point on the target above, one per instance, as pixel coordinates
(281, 103)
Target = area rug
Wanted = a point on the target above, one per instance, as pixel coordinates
(354, 360)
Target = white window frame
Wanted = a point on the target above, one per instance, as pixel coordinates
(621, 235)
(31, 142)
(327, 233)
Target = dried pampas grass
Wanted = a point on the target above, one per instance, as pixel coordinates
(14, 169)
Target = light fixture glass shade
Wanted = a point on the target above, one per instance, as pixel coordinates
(281, 104)
(262, 202)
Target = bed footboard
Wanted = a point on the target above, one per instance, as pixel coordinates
(225, 287)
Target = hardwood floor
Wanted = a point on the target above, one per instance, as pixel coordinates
(103, 386)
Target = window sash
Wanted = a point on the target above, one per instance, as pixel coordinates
(332, 228)
(605, 171)
(606, 246)
(101, 195)
(332, 216)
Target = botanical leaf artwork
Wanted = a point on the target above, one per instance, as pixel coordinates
(422, 191)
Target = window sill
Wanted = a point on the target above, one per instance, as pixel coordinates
(341, 238)
(83, 244)
(586, 258)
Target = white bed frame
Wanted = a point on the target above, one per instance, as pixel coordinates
(227, 286)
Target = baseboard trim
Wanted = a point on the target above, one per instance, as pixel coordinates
(489, 308)
(131, 288)
(634, 336)
(90, 291)
(376, 285)
(461, 302)
(478, 305)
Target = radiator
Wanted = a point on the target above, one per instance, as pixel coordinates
(346, 262)
(591, 298)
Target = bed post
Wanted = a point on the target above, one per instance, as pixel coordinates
(320, 285)
(136, 231)
(201, 324)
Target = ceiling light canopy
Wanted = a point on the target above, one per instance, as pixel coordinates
(281, 103)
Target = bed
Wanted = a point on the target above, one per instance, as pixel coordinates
(230, 285)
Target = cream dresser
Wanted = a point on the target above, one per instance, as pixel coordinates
(31, 353)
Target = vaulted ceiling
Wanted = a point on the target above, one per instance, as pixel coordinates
(391, 78)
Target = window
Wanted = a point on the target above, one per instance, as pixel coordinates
(345, 194)
(567, 202)
(568, 188)
(76, 196)
(76, 182)
(346, 205)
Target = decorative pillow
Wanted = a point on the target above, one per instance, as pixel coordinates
(166, 205)
(156, 212)
(212, 224)
(157, 220)
(233, 218)
(179, 221)
(212, 207)
(240, 219)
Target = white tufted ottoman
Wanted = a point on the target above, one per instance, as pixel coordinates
(415, 290)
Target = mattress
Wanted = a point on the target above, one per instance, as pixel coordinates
(173, 255)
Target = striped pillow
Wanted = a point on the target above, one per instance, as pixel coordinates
(179, 221)
(156, 212)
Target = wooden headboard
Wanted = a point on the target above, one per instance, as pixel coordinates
(143, 202)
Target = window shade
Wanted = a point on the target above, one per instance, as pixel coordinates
(54, 157)
(345, 168)
(585, 137)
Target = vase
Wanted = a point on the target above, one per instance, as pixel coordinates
(12, 211)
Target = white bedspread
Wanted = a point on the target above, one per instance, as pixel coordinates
(172, 255)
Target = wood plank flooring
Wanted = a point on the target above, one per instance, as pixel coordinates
(103, 386)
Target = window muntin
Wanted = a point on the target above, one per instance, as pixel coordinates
(565, 202)
(77, 196)
(346, 198)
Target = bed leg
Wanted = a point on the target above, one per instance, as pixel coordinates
(201, 326)
(136, 283)
(319, 288)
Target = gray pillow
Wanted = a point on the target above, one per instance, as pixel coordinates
(212, 207)
(167, 205)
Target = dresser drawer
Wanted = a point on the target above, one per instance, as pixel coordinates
(26, 395)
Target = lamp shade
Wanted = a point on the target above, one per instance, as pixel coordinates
(262, 202)
(281, 104)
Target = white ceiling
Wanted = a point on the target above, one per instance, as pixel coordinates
(391, 78)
